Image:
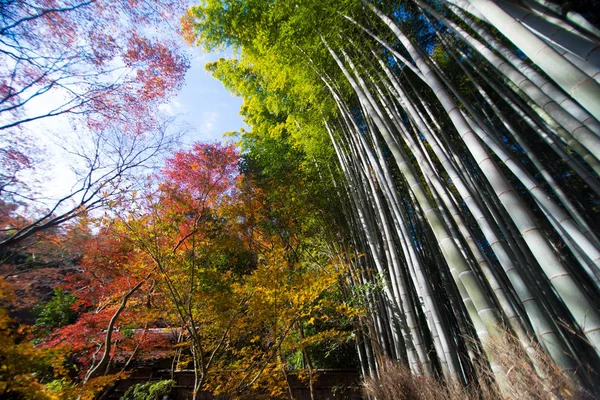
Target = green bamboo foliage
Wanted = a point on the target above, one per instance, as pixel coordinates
(467, 159)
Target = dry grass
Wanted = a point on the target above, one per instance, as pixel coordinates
(522, 380)
(544, 381)
(397, 383)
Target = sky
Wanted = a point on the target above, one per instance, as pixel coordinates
(204, 103)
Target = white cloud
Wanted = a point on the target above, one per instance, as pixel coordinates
(199, 58)
(174, 107)
(208, 122)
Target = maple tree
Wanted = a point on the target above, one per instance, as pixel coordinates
(105, 66)
(116, 304)
(91, 52)
(177, 226)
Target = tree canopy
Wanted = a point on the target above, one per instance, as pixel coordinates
(416, 197)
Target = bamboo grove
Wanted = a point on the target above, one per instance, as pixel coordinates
(462, 139)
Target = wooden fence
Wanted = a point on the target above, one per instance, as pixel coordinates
(329, 385)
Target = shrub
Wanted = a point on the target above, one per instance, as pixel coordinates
(57, 312)
(149, 390)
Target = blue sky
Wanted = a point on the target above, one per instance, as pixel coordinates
(204, 103)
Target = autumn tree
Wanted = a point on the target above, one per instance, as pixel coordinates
(116, 304)
(93, 53)
(98, 65)
(105, 166)
(241, 271)
(23, 367)
(175, 225)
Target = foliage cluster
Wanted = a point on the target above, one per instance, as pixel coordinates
(148, 390)
(24, 368)
(219, 271)
(57, 312)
